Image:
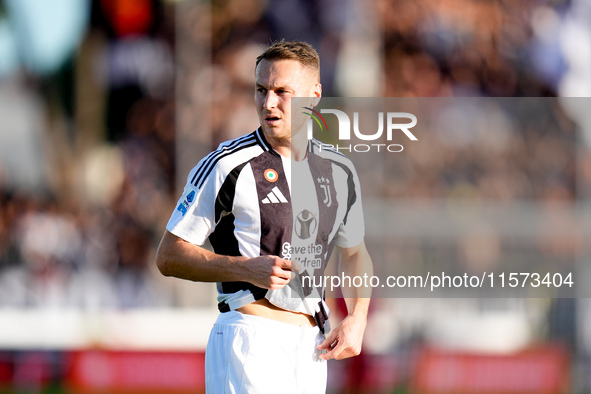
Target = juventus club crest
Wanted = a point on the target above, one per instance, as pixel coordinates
(324, 184)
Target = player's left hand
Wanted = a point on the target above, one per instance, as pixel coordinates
(345, 339)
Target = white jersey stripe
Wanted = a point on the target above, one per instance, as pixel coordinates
(247, 223)
(264, 144)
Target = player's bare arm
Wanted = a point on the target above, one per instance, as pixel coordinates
(181, 259)
(345, 339)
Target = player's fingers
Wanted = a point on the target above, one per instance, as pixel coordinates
(328, 341)
(335, 352)
(296, 266)
(288, 265)
(282, 273)
(282, 276)
(278, 283)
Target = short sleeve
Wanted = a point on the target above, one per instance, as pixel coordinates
(198, 210)
(193, 218)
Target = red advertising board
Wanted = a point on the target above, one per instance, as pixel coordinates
(540, 370)
(136, 372)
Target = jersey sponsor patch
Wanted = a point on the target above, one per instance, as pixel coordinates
(271, 175)
(182, 209)
(186, 203)
(191, 196)
(305, 224)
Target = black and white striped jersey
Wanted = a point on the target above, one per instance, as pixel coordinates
(248, 200)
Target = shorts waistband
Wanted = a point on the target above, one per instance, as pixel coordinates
(258, 321)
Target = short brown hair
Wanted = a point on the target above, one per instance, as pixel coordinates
(292, 50)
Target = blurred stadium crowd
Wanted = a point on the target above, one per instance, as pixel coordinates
(80, 219)
(106, 104)
(79, 214)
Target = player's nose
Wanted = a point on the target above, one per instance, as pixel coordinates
(270, 100)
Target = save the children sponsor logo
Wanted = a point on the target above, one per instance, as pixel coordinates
(305, 224)
(309, 256)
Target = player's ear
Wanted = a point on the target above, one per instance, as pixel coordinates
(317, 94)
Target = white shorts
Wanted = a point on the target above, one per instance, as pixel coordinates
(251, 354)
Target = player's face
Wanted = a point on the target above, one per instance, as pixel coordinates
(277, 81)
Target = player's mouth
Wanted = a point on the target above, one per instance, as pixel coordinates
(272, 120)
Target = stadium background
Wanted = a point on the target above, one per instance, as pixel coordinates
(105, 105)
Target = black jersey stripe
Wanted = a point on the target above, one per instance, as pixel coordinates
(352, 195)
(223, 239)
(225, 198)
(224, 150)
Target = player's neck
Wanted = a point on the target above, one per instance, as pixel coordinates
(294, 148)
(290, 153)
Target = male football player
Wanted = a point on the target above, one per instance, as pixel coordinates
(268, 236)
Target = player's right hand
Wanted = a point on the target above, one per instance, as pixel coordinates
(270, 272)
